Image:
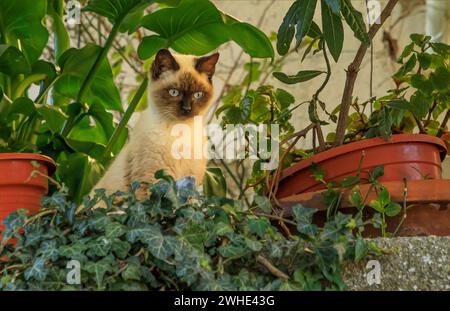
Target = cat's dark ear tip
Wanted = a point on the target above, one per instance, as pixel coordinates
(163, 52)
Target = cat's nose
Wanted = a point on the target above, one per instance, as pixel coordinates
(185, 107)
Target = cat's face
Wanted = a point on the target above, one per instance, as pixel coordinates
(181, 85)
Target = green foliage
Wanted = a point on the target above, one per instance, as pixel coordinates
(176, 239)
(299, 21)
(181, 29)
(71, 119)
(420, 100)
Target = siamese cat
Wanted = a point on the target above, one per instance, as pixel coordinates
(180, 88)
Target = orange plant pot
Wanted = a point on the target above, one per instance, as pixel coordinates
(20, 185)
(410, 156)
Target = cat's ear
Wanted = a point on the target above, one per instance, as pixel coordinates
(207, 64)
(164, 61)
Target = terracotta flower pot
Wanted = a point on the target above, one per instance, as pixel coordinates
(19, 187)
(410, 156)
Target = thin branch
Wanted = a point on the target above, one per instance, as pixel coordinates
(352, 73)
(274, 270)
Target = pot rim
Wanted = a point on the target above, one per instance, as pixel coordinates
(49, 162)
(365, 143)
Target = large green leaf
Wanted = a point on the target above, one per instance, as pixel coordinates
(62, 37)
(355, 20)
(197, 27)
(128, 12)
(75, 65)
(79, 172)
(301, 76)
(304, 19)
(13, 61)
(333, 31)
(21, 25)
(150, 45)
(251, 39)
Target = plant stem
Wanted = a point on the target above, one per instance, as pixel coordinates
(352, 73)
(90, 76)
(24, 84)
(124, 121)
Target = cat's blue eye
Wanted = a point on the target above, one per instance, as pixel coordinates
(174, 92)
(198, 95)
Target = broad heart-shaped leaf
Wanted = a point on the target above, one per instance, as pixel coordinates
(301, 76)
(214, 183)
(62, 37)
(128, 12)
(150, 45)
(304, 19)
(333, 31)
(287, 29)
(97, 127)
(75, 65)
(254, 42)
(21, 22)
(13, 61)
(355, 20)
(197, 27)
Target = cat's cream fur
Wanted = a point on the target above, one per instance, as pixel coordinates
(150, 143)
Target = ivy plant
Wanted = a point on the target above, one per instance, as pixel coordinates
(175, 239)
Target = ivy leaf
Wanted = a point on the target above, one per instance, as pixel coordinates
(263, 203)
(99, 269)
(361, 249)
(232, 251)
(333, 31)
(258, 226)
(303, 216)
(48, 250)
(37, 271)
(153, 238)
(301, 76)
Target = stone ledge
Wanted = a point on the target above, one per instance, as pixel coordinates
(411, 263)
